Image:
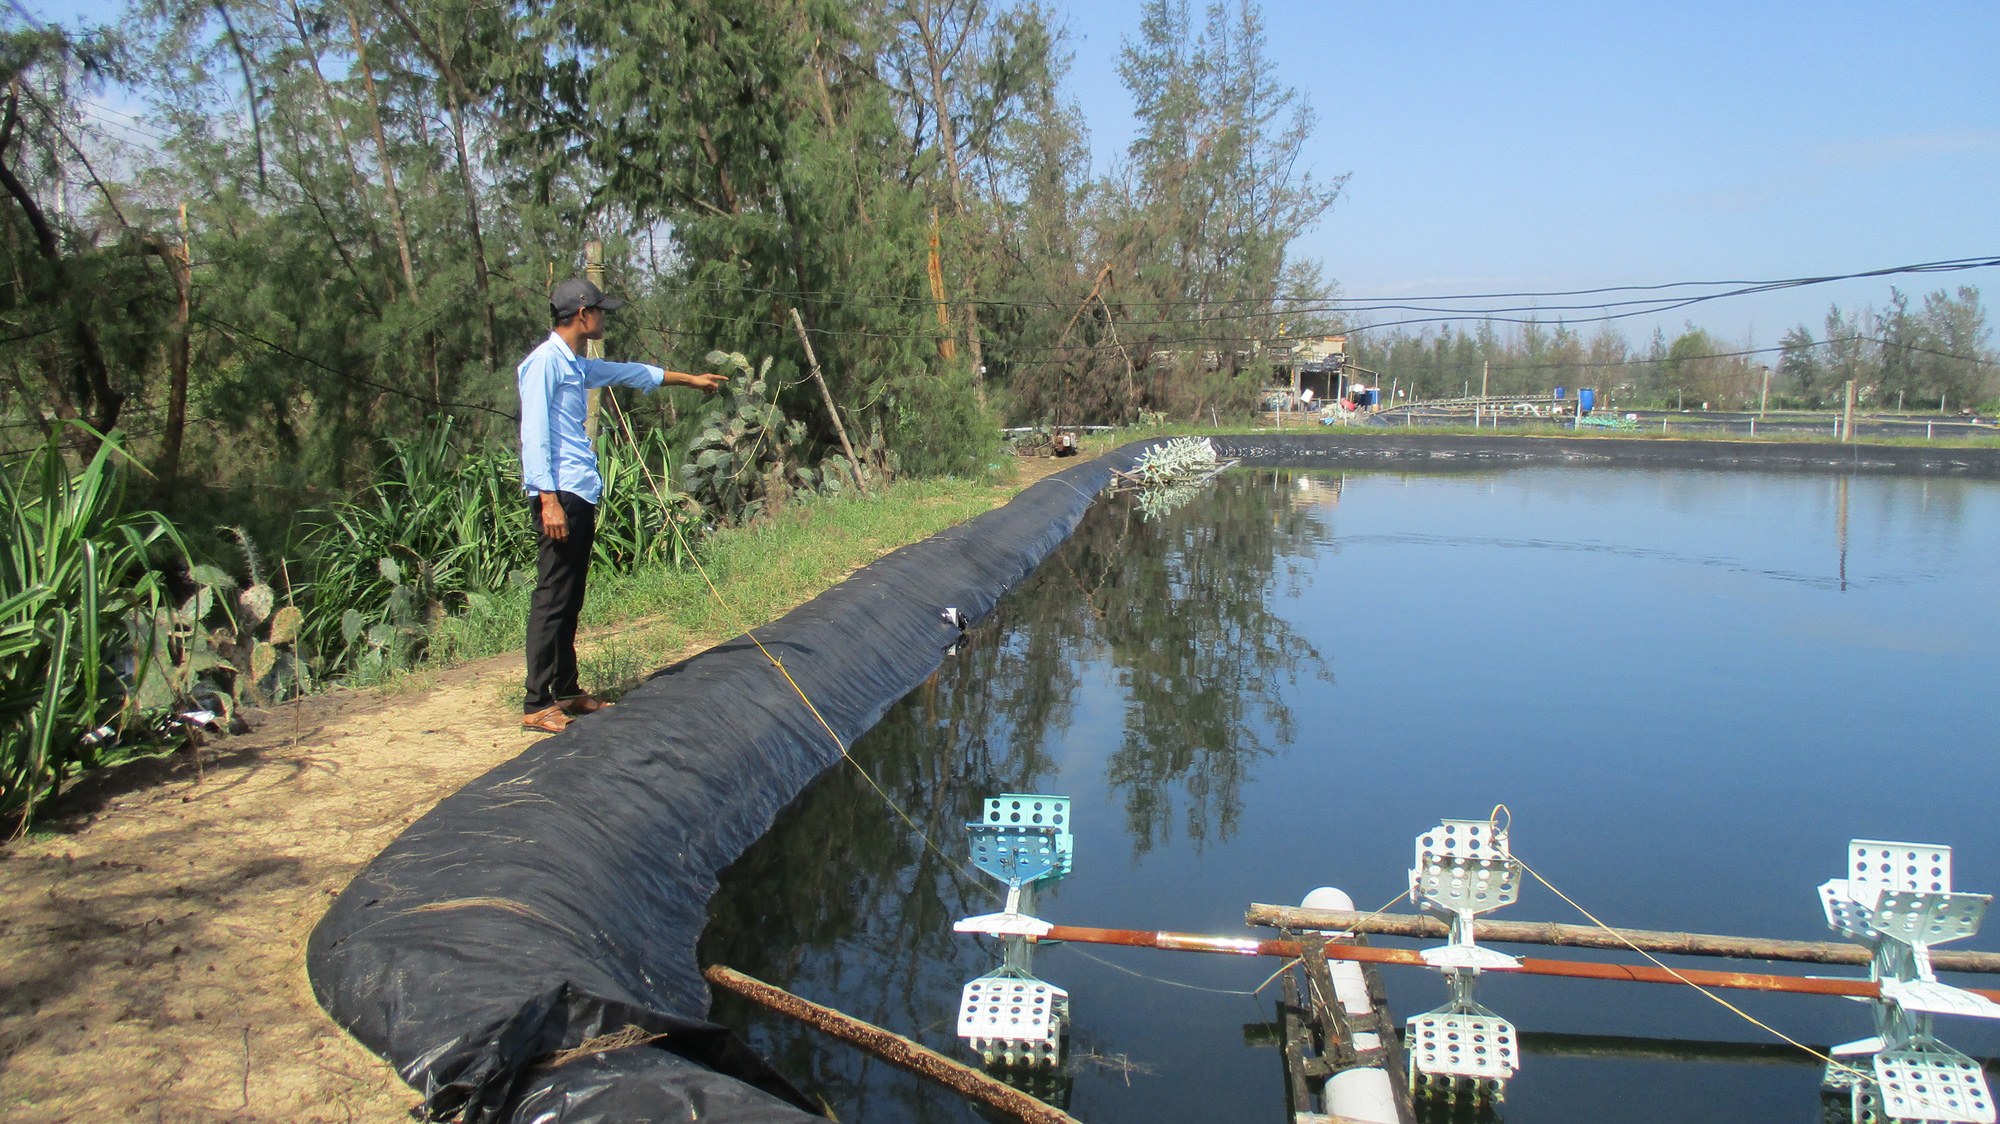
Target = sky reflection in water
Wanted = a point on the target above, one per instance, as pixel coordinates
(1691, 688)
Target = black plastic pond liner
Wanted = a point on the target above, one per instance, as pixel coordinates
(1413, 449)
(559, 897)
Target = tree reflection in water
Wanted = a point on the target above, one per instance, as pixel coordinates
(841, 902)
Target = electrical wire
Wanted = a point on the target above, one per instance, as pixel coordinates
(1306, 304)
(384, 387)
(1646, 360)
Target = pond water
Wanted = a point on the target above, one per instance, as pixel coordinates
(1690, 689)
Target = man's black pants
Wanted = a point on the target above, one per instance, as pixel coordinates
(560, 570)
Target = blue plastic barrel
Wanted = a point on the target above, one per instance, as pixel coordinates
(1586, 399)
(1559, 393)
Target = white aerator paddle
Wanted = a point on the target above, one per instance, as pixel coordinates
(1008, 1016)
(1897, 899)
(1465, 869)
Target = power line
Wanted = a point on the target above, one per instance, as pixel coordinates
(1646, 360)
(925, 334)
(287, 352)
(1302, 305)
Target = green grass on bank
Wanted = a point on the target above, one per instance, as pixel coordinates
(634, 622)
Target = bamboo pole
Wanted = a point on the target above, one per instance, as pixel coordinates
(892, 1048)
(1590, 936)
(1571, 969)
(826, 395)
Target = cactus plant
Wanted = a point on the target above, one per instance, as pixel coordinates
(749, 457)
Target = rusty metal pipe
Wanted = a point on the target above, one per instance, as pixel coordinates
(1571, 969)
(892, 1048)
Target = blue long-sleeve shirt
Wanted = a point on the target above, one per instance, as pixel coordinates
(555, 454)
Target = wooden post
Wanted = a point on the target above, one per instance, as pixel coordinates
(1847, 424)
(593, 272)
(827, 396)
(892, 1048)
(1590, 936)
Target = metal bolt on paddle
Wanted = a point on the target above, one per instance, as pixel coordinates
(1008, 1016)
(1463, 1052)
(1897, 900)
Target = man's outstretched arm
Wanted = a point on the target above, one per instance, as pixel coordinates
(644, 376)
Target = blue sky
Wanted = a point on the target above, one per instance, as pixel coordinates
(1548, 146)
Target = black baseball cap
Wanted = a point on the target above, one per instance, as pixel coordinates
(576, 294)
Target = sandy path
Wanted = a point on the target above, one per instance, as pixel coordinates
(152, 952)
(152, 945)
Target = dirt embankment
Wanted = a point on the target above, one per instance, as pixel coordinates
(152, 938)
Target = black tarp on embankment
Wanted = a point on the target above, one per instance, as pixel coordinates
(1414, 449)
(559, 897)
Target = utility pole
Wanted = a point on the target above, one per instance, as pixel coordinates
(1764, 398)
(593, 271)
(1485, 368)
(1847, 425)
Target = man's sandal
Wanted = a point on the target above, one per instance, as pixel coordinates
(584, 704)
(549, 721)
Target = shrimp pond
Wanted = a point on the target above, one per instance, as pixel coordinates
(1690, 688)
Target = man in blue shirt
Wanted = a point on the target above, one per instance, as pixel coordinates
(559, 473)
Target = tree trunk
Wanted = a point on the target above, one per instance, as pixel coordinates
(948, 144)
(382, 156)
(472, 224)
(96, 381)
(180, 267)
(336, 131)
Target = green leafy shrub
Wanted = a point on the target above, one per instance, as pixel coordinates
(442, 531)
(77, 595)
(938, 428)
(437, 525)
(638, 512)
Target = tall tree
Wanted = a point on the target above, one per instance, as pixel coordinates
(1800, 365)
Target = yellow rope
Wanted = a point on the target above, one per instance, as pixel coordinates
(918, 829)
(1491, 820)
(737, 619)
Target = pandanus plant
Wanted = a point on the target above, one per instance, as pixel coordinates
(78, 595)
